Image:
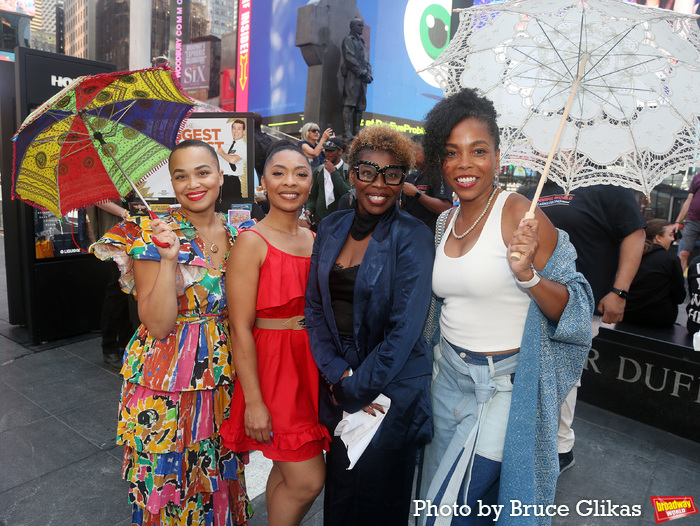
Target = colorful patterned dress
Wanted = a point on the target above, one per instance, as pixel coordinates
(177, 391)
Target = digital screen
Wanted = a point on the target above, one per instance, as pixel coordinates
(400, 43)
(22, 7)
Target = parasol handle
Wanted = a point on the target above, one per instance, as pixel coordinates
(99, 137)
(545, 173)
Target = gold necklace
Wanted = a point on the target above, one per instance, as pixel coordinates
(213, 247)
(460, 236)
(283, 231)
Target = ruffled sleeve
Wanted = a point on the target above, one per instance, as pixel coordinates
(131, 239)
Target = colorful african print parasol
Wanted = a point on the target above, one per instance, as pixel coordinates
(97, 138)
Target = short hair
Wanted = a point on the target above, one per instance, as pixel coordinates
(381, 138)
(444, 116)
(194, 143)
(305, 130)
(238, 121)
(280, 146)
(655, 227)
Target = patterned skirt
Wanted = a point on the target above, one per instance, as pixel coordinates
(178, 470)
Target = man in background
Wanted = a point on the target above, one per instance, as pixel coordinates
(607, 229)
(330, 183)
(421, 199)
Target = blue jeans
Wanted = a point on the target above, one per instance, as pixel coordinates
(463, 383)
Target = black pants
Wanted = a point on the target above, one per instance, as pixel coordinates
(120, 317)
(377, 491)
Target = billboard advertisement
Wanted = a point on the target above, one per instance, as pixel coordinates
(231, 135)
(21, 7)
(196, 66)
(405, 34)
(243, 63)
(180, 12)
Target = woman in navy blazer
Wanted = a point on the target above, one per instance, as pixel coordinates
(366, 301)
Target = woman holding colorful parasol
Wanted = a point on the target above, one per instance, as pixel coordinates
(178, 375)
(92, 143)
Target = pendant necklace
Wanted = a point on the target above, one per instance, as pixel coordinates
(213, 247)
(460, 236)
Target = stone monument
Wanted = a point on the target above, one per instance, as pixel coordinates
(321, 27)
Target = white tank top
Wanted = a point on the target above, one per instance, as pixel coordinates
(484, 310)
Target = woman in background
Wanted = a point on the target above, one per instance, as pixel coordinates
(311, 143)
(658, 287)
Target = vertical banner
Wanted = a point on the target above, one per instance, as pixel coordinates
(179, 32)
(243, 62)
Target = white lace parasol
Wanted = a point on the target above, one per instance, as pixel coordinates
(633, 118)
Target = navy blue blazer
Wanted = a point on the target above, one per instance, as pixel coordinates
(391, 299)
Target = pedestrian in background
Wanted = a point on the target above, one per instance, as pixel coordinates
(607, 229)
(312, 141)
(330, 183)
(658, 287)
(691, 230)
(420, 198)
(120, 316)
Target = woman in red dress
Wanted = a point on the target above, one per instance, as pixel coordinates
(275, 402)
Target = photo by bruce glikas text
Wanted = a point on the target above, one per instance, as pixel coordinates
(583, 508)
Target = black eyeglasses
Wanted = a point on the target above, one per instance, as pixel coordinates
(315, 130)
(367, 172)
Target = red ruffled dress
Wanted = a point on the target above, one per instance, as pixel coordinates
(287, 372)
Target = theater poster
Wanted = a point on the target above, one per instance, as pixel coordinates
(231, 136)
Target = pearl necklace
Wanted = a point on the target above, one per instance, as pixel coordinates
(460, 236)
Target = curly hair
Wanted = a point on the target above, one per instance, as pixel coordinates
(444, 116)
(380, 138)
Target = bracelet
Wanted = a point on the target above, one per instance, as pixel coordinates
(534, 280)
(620, 292)
(418, 194)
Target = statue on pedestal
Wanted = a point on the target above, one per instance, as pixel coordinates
(358, 73)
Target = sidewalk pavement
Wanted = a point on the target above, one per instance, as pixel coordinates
(59, 464)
